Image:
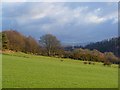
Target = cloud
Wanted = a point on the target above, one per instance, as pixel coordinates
(0, 16)
(113, 16)
(60, 1)
(58, 18)
(94, 19)
(59, 13)
(14, 0)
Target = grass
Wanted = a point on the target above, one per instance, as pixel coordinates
(0, 71)
(27, 71)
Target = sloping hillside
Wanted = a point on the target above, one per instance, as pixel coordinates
(27, 71)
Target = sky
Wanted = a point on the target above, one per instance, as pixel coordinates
(78, 22)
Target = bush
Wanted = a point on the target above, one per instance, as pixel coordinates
(85, 62)
(89, 63)
(107, 63)
(93, 63)
(61, 60)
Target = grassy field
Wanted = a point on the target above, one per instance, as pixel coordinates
(27, 71)
(0, 71)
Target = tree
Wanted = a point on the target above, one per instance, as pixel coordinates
(15, 40)
(108, 45)
(31, 45)
(51, 44)
(110, 57)
(0, 40)
(4, 41)
(19, 42)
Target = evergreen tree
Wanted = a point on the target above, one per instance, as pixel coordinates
(4, 41)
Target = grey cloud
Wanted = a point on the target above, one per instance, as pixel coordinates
(68, 21)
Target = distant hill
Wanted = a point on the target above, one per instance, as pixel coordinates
(109, 45)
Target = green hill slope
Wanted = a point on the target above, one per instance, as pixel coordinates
(28, 71)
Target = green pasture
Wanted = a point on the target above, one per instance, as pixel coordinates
(21, 70)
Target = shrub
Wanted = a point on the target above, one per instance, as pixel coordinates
(93, 63)
(61, 60)
(107, 63)
(85, 62)
(89, 63)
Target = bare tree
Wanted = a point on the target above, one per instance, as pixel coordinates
(50, 43)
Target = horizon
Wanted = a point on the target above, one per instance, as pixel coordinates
(65, 44)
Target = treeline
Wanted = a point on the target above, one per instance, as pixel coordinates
(49, 45)
(15, 41)
(92, 55)
(108, 45)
